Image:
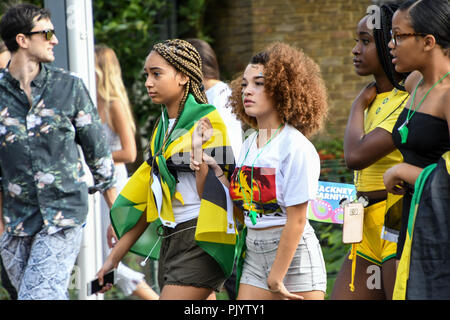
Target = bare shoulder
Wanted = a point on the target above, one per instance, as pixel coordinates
(445, 104)
(412, 80)
(116, 110)
(114, 105)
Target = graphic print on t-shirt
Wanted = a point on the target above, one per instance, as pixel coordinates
(264, 190)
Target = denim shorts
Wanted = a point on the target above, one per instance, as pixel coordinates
(306, 272)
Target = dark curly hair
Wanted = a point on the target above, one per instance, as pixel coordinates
(294, 82)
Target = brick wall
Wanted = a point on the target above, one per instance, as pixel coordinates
(325, 29)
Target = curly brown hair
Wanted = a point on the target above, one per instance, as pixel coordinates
(294, 82)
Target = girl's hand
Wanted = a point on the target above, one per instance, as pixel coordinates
(367, 95)
(392, 181)
(107, 266)
(210, 161)
(193, 164)
(111, 236)
(280, 290)
(202, 133)
(206, 129)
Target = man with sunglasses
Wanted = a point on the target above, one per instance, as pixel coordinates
(44, 113)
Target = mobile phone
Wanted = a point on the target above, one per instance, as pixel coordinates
(94, 286)
(352, 230)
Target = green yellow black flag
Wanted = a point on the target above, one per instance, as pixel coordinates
(423, 272)
(152, 191)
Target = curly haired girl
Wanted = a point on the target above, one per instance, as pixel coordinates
(293, 82)
(281, 94)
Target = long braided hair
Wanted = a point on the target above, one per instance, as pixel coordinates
(184, 58)
(382, 38)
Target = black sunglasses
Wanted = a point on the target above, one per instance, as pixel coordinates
(48, 33)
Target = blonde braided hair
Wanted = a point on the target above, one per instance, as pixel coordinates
(184, 58)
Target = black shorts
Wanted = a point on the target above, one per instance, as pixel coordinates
(182, 262)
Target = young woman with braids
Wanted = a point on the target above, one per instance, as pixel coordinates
(281, 94)
(370, 151)
(164, 190)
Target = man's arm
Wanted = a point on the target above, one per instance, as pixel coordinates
(91, 137)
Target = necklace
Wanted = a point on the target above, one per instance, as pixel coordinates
(403, 129)
(252, 212)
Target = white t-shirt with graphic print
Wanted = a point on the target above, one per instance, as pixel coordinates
(286, 173)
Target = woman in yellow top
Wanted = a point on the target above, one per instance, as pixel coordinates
(370, 151)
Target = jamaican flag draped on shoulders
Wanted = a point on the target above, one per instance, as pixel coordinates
(152, 189)
(423, 272)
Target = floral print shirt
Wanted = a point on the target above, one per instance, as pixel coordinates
(40, 164)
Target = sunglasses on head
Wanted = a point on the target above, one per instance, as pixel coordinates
(49, 33)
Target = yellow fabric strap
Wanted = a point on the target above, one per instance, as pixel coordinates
(352, 257)
(179, 197)
(181, 145)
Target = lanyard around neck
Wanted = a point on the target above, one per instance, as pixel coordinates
(403, 129)
(408, 117)
(252, 213)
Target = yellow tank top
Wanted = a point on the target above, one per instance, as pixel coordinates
(382, 113)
